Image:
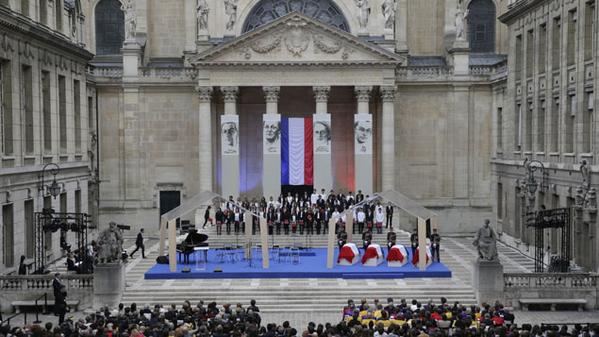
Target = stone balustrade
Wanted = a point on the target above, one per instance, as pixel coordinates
(423, 72)
(14, 283)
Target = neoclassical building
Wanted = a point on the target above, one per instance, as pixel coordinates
(186, 89)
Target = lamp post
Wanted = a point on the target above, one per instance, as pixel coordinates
(54, 188)
(531, 185)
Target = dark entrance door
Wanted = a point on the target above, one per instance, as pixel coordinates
(169, 200)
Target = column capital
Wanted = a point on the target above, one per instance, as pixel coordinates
(271, 94)
(388, 93)
(204, 93)
(363, 93)
(321, 93)
(230, 94)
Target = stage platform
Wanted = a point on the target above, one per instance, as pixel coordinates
(312, 264)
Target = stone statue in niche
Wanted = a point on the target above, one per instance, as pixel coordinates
(585, 173)
(130, 19)
(388, 8)
(202, 15)
(460, 23)
(363, 12)
(486, 242)
(231, 12)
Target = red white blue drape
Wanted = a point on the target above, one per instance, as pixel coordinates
(297, 158)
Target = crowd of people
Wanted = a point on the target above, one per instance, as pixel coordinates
(404, 319)
(306, 213)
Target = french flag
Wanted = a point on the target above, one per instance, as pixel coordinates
(297, 158)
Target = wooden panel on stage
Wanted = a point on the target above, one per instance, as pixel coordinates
(172, 244)
(349, 226)
(264, 242)
(248, 217)
(163, 224)
(331, 243)
(422, 243)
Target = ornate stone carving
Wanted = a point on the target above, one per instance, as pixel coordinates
(297, 38)
(25, 50)
(363, 12)
(231, 12)
(271, 94)
(363, 93)
(204, 93)
(579, 197)
(128, 8)
(267, 47)
(460, 23)
(202, 11)
(592, 200)
(388, 9)
(321, 93)
(322, 46)
(6, 45)
(585, 173)
(230, 94)
(388, 93)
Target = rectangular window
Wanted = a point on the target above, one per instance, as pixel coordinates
(571, 43)
(62, 113)
(499, 201)
(517, 213)
(59, 6)
(541, 126)
(48, 235)
(46, 112)
(77, 114)
(8, 232)
(77, 201)
(44, 12)
(555, 123)
(500, 128)
(528, 134)
(589, 30)
(25, 7)
(29, 229)
(556, 43)
(587, 122)
(530, 52)
(6, 107)
(518, 57)
(542, 48)
(569, 124)
(90, 113)
(518, 128)
(63, 202)
(27, 105)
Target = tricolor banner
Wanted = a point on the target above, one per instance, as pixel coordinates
(297, 154)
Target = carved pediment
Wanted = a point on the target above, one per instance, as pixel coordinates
(296, 39)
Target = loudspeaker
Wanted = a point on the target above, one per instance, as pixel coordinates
(218, 270)
(185, 270)
(162, 259)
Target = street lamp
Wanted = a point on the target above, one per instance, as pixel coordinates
(54, 188)
(531, 183)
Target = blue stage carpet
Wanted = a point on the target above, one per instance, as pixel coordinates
(314, 266)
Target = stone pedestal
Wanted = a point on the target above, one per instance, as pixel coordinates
(131, 59)
(109, 284)
(487, 280)
(460, 52)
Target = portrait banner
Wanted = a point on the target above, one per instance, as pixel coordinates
(229, 126)
(322, 133)
(363, 134)
(271, 134)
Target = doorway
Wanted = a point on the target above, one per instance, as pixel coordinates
(168, 201)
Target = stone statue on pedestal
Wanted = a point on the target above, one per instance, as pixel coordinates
(460, 23)
(130, 20)
(363, 12)
(202, 15)
(388, 8)
(231, 12)
(110, 244)
(486, 241)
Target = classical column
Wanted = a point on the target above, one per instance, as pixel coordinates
(388, 138)
(271, 144)
(363, 141)
(323, 167)
(205, 138)
(230, 143)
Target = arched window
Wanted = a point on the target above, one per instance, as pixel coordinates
(481, 22)
(110, 27)
(322, 10)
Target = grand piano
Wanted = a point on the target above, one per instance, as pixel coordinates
(192, 241)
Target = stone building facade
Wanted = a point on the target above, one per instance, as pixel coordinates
(546, 115)
(48, 116)
(415, 66)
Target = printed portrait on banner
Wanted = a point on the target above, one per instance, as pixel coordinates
(271, 134)
(229, 135)
(322, 133)
(363, 134)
